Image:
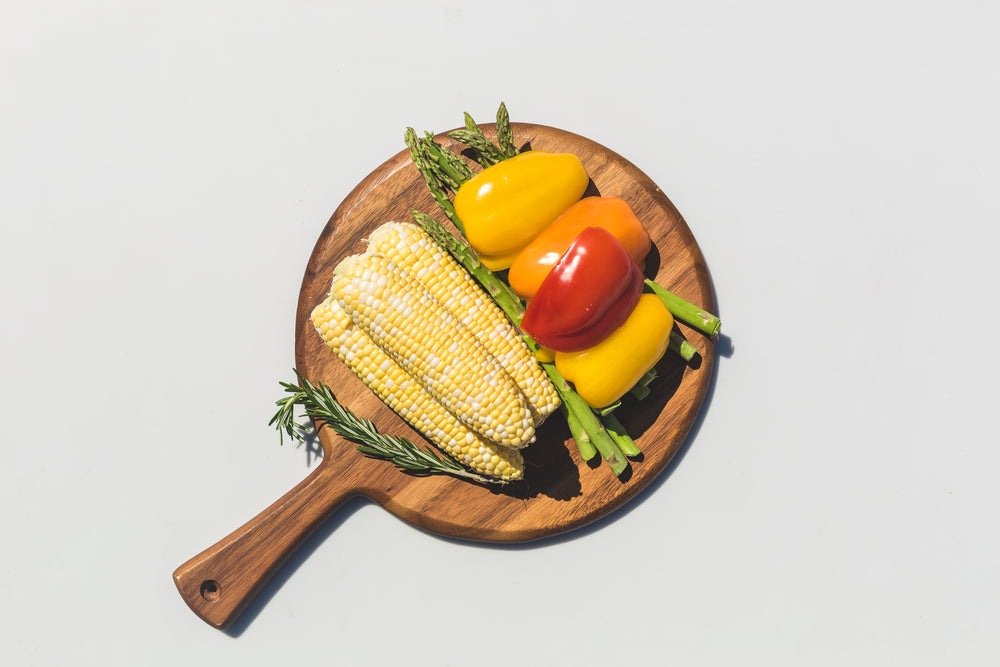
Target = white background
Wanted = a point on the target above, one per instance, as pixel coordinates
(165, 169)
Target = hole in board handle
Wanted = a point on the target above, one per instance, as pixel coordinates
(210, 590)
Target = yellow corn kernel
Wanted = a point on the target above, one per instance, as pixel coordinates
(412, 249)
(433, 347)
(411, 401)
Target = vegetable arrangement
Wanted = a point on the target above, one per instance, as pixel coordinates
(470, 366)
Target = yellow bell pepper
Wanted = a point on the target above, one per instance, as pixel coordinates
(604, 373)
(505, 206)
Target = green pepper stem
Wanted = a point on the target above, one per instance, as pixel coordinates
(686, 311)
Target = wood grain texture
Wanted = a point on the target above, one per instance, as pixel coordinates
(561, 492)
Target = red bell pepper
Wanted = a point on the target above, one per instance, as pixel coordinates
(588, 294)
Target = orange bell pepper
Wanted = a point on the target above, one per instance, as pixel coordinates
(612, 213)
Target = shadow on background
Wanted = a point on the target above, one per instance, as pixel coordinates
(290, 566)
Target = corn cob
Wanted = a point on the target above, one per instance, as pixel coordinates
(412, 249)
(408, 399)
(433, 347)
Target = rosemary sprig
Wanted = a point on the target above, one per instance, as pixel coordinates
(319, 403)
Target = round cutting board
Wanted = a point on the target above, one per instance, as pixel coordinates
(560, 491)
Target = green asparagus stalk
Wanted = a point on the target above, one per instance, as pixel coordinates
(581, 437)
(681, 347)
(450, 164)
(423, 165)
(483, 158)
(509, 302)
(620, 435)
(505, 136)
(641, 388)
(686, 311)
(588, 421)
(486, 151)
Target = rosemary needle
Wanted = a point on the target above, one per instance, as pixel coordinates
(319, 403)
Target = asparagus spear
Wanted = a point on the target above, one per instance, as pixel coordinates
(487, 153)
(686, 311)
(423, 165)
(681, 347)
(505, 136)
(620, 435)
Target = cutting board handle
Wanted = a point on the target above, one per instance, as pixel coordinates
(219, 582)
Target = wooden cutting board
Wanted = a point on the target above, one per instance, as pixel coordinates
(561, 491)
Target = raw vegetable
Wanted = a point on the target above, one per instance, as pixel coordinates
(407, 398)
(604, 373)
(687, 312)
(325, 411)
(413, 250)
(433, 347)
(611, 213)
(504, 207)
(588, 294)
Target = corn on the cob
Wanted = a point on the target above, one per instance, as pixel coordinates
(412, 249)
(410, 400)
(433, 346)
